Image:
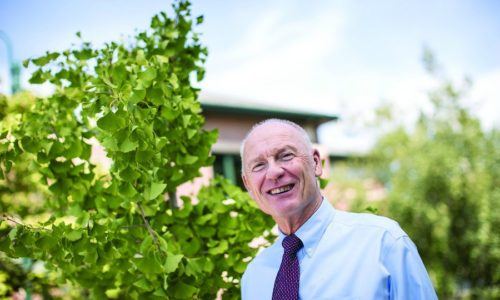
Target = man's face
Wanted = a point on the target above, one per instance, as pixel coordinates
(280, 170)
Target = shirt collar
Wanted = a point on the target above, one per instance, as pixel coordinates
(311, 232)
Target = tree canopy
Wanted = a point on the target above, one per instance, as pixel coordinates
(443, 182)
(121, 233)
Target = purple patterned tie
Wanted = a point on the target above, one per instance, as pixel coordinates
(286, 286)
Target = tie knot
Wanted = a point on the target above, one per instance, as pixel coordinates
(292, 244)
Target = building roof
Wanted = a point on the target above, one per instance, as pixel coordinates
(222, 104)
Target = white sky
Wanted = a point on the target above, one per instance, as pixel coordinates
(339, 57)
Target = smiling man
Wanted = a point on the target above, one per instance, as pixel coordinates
(321, 253)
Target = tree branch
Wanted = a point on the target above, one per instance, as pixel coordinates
(9, 218)
(151, 231)
(172, 198)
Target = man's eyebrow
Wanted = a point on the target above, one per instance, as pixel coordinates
(254, 160)
(274, 152)
(285, 148)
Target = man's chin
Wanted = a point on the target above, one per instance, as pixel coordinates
(285, 208)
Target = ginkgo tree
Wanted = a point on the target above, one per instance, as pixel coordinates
(122, 234)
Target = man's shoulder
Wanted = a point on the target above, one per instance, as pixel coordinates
(261, 271)
(267, 257)
(369, 221)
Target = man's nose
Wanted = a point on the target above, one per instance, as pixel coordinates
(274, 171)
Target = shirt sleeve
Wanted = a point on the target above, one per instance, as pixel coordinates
(408, 276)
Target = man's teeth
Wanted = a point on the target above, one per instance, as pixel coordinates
(280, 190)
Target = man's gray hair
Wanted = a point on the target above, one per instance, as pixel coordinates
(299, 128)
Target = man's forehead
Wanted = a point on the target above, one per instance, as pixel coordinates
(273, 139)
(273, 129)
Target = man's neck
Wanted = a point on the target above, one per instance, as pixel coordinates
(291, 224)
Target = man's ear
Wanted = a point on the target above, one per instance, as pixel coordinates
(318, 166)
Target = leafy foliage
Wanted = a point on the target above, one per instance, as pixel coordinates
(121, 234)
(444, 189)
(199, 249)
(20, 190)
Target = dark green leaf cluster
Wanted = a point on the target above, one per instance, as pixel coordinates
(194, 252)
(119, 234)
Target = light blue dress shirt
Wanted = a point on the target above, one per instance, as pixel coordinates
(345, 256)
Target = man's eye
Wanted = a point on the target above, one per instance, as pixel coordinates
(258, 167)
(287, 156)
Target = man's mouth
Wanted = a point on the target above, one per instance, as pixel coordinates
(281, 189)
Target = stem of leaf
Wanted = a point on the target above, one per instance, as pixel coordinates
(148, 227)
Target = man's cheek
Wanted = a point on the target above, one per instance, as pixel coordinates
(262, 203)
